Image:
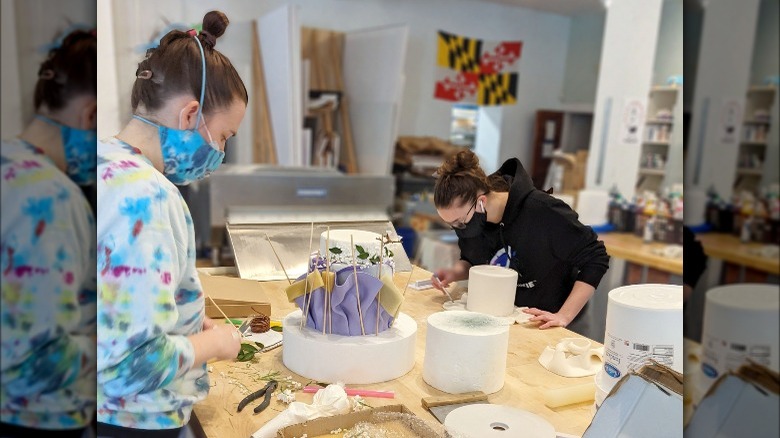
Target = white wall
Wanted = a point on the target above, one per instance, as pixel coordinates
(542, 66)
(765, 49)
(582, 58)
(669, 51)
(37, 23)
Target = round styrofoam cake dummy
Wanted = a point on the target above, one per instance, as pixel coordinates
(497, 421)
(465, 351)
(740, 323)
(349, 359)
(644, 321)
(492, 290)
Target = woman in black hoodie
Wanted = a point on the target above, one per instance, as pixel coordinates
(502, 219)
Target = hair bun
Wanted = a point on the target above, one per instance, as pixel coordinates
(463, 162)
(214, 25)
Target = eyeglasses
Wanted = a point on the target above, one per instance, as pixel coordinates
(459, 224)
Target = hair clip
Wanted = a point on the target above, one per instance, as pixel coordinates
(47, 74)
(192, 32)
(146, 74)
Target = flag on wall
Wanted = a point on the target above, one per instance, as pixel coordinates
(475, 71)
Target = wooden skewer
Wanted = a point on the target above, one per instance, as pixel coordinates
(327, 280)
(223, 313)
(308, 305)
(306, 291)
(278, 259)
(357, 289)
(379, 294)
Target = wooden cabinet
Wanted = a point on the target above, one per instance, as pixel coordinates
(565, 130)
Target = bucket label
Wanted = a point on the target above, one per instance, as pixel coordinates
(627, 355)
(611, 370)
(709, 370)
(725, 355)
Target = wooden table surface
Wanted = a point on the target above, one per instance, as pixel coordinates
(728, 247)
(524, 386)
(631, 247)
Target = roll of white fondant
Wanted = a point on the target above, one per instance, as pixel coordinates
(349, 359)
(492, 290)
(644, 322)
(741, 322)
(465, 351)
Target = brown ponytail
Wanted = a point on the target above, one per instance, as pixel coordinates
(461, 178)
(175, 67)
(69, 70)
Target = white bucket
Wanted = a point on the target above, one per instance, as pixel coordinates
(492, 290)
(741, 322)
(644, 322)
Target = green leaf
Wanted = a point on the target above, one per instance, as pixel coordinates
(335, 250)
(276, 329)
(260, 345)
(363, 256)
(374, 259)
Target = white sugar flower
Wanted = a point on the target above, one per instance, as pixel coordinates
(286, 396)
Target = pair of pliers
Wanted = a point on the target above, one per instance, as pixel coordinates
(267, 390)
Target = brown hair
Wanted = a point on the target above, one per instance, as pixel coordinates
(176, 67)
(68, 71)
(460, 177)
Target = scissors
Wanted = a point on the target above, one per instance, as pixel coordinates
(266, 391)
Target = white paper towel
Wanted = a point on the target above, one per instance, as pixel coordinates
(465, 351)
(488, 421)
(332, 400)
(492, 290)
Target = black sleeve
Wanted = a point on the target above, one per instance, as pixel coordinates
(576, 243)
(694, 259)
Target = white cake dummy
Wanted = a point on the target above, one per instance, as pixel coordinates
(492, 290)
(347, 293)
(572, 357)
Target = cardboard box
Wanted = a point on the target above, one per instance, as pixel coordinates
(742, 403)
(647, 402)
(324, 425)
(237, 297)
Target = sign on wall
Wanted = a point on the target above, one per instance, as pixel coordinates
(476, 71)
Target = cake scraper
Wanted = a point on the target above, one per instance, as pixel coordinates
(441, 406)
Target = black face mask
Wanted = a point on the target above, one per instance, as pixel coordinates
(474, 226)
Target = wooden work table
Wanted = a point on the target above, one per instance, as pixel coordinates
(632, 248)
(728, 248)
(524, 387)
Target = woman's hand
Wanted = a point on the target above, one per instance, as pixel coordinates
(459, 271)
(227, 340)
(548, 319)
(208, 323)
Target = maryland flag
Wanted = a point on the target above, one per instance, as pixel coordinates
(475, 71)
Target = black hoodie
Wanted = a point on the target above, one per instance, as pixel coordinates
(550, 248)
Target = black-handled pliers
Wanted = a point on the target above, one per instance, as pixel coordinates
(267, 390)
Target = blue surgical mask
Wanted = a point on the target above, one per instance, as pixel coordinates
(187, 156)
(80, 148)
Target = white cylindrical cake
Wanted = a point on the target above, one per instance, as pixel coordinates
(644, 322)
(465, 351)
(740, 322)
(492, 290)
(349, 359)
(341, 240)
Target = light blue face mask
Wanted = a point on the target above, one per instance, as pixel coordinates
(187, 156)
(80, 147)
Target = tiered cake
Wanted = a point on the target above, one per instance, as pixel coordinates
(351, 309)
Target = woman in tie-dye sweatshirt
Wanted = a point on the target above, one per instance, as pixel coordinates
(153, 338)
(47, 249)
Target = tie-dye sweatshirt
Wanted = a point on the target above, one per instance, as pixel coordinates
(48, 294)
(149, 295)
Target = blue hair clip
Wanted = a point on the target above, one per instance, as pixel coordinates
(57, 43)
